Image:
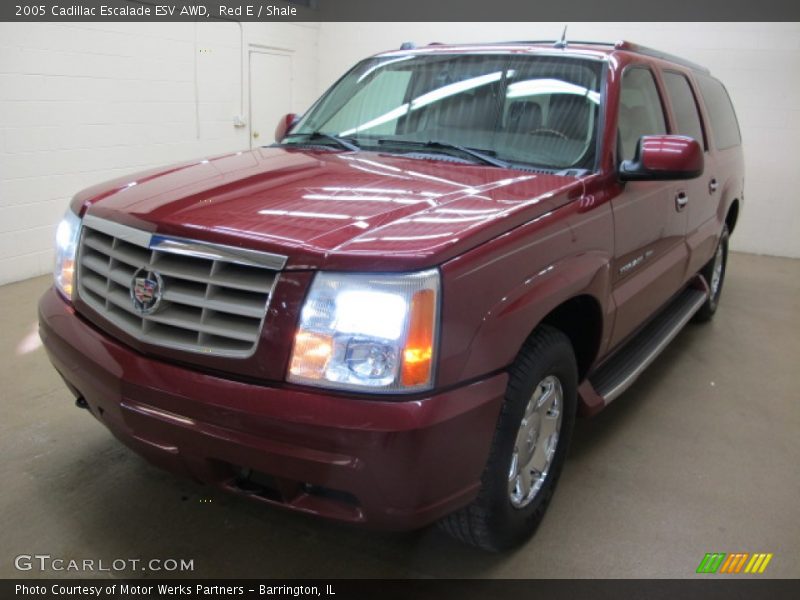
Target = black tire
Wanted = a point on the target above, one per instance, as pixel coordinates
(708, 309)
(492, 522)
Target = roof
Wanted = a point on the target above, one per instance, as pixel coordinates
(572, 47)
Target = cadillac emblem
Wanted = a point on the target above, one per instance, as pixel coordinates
(147, 287)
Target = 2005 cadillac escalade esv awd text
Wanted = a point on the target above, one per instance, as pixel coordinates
(393, 315)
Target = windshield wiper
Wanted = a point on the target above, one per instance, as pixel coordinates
(320, 135)
(476, 154)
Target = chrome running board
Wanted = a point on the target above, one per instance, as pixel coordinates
(621, 370)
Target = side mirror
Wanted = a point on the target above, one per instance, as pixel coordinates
(660, 157)
(285, 125)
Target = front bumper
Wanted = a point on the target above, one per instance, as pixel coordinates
(388, 464)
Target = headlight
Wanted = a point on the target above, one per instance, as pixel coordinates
(66, 243)
(372, 332)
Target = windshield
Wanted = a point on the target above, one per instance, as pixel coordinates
(537, 111)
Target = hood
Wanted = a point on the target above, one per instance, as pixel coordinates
(332, 209)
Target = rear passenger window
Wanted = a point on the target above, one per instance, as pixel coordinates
(640, 110)
(687, 119)
(724, 126)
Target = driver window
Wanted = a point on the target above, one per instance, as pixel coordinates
(640, 110)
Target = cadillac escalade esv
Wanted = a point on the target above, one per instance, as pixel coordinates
(393, 315)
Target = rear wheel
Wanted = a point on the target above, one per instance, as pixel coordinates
(529, 446)
(714, 274)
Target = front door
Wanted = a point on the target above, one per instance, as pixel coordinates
(649, 222)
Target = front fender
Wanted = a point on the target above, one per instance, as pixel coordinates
(495, 298)
(508, 323)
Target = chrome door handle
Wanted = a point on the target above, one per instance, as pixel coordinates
(681, 200)
(713, 186)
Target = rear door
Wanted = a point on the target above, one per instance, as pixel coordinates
(700, 194)
(723, 176)
(649, 229)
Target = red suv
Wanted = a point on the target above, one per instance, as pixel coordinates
(393, 315)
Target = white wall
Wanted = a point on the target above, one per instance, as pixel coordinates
(758, 62)
(81, 103)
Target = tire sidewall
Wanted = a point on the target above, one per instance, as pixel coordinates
(510, 524)
(713, 301)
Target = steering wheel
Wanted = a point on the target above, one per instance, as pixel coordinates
(553, 132)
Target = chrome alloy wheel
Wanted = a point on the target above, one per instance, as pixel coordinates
(716, 273)
(536, 442)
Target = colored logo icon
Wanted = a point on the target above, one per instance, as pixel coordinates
(734, 563)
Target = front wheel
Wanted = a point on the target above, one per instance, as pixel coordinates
(714, 274)
(529, 447)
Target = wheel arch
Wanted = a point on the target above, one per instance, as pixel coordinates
(569, 296)
(732, 216)
(580, 318)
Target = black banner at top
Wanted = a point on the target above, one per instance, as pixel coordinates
(399, 10)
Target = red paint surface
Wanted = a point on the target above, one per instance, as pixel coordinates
(671, 154)
(406, 463)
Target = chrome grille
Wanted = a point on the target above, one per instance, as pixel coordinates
(214, 297)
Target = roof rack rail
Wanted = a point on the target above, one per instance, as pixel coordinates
(551, 42)
(639, 49)
(618, 45)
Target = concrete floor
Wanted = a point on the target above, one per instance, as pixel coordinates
(700, 455)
